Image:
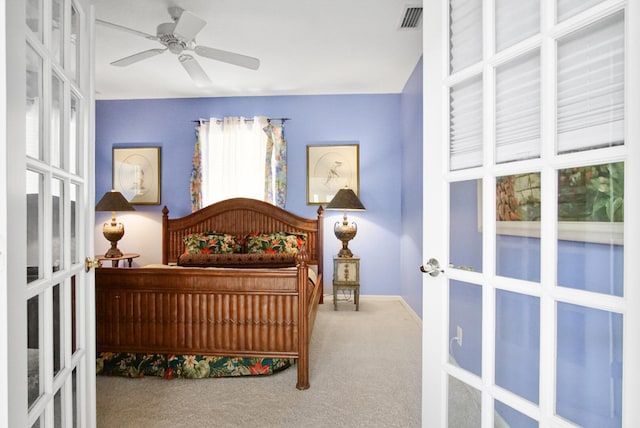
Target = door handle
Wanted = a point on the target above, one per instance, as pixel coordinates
(432, 267)
(88, 264)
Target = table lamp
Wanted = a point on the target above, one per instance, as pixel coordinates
(345, 200)
(113, 201)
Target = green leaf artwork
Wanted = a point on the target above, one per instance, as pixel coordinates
(591, 194)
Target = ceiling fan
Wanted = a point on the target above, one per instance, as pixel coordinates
(178, 37)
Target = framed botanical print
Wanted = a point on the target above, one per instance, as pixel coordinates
(329, 169)
(136, 174)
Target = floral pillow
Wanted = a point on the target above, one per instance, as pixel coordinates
(278, 242)
(211, 243)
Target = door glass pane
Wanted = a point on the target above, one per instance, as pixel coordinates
(568, 8)
(35, 216)
(74, 143)
(589, 366)
(34, 17)
(57, 409)
(591, 87)
(515, 21)
(509, 417)
(75, 224)
(464, 406)
(57, 207)
(466, 33)
(37, 424)
(465, 235)
(33, 351)
(518, 109)
(518, 226)
(590, 228)
(57, 29)
(465, 126)
(74, 399)
(465, 326)
(33, 117)
(58, 350)
(74, 311)
(74, 53)
(57, 126)
(517, 364)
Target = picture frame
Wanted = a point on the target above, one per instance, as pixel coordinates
(582, 204)
(331, 168)
(136, 174)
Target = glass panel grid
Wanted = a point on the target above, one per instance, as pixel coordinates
(589, 366)
(517, 353)
(57, 229)
(591, 202)
(515, 21)
(518, 97)
(57, 30)
(33, 117)
(465, 126)
(465, 235)
(590, 86)
(34, 17)
(465, 20)
(57, 121)
(35, 222)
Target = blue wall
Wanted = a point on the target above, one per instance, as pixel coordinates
(411, 238)
(373, 121)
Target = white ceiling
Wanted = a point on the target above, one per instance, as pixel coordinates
(305, 47)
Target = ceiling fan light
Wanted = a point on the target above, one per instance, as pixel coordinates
(175, 48)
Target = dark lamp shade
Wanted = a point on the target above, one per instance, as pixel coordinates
(345, 199)
(114, 201)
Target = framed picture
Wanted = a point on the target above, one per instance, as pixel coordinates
(329, 169)
(590, 204)
(136, 174)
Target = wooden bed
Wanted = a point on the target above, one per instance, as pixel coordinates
(236, 312)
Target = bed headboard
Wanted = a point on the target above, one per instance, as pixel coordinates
(240, 216)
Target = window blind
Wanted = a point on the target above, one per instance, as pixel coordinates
(569, 8)
(465, 124)
(465, 20)
(518, 109)
(515, 21)
(590, 87)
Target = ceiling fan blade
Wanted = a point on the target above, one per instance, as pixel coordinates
(127, 29)
(228, 57)
(188, 26)
(194, 69)
(131, 59)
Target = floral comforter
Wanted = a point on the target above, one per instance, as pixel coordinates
(186, 366)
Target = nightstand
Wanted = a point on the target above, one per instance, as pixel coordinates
(115, 261)
(346, 275)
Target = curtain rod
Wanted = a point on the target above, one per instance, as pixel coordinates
(281, 119)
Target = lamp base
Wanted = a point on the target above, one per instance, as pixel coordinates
(113, 251)
(113, 232)
(345, 232)
(345, 251)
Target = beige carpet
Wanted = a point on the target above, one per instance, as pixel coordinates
(365, 371)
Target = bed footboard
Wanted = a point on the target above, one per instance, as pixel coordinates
(219, 312)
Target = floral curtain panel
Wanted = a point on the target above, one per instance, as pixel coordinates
(228, 159)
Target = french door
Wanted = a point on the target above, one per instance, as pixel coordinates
(532, 164)
(50, 347)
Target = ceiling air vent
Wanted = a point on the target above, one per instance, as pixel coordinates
(412, 17)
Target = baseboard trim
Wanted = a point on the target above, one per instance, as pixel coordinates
(365, 297)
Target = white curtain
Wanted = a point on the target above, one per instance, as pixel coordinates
(233, 158)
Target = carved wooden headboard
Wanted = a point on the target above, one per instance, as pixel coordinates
(240, 217)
